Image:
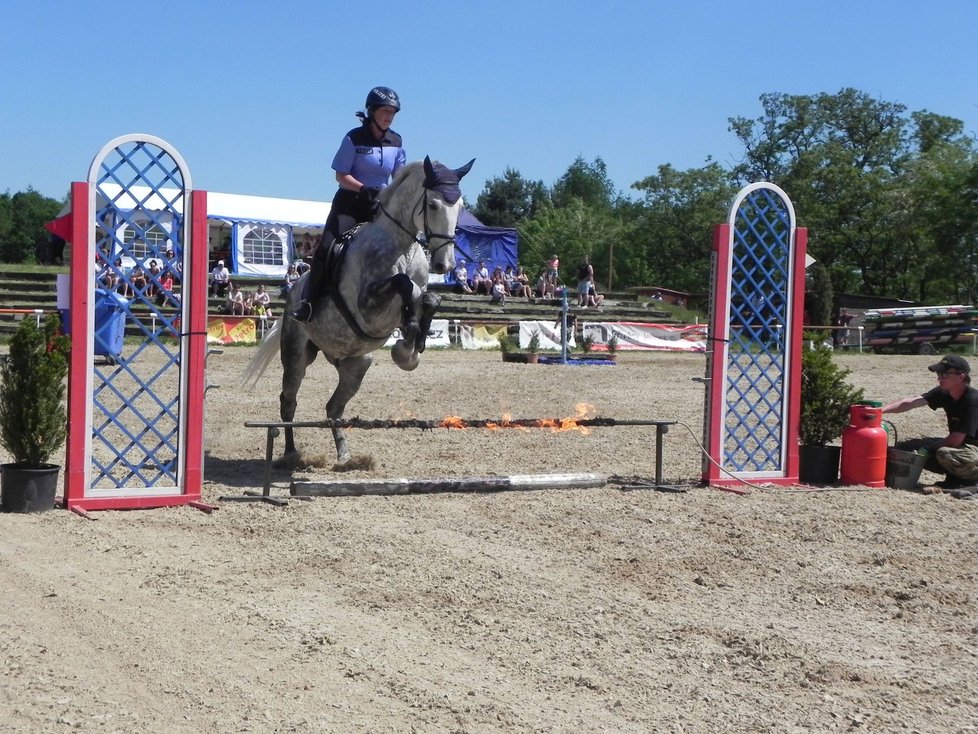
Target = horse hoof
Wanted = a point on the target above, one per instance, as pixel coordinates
(360, 462)
(288, 462)
(404, 356)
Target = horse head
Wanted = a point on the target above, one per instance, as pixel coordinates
(438, 214)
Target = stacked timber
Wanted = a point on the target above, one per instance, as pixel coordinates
(923, 329)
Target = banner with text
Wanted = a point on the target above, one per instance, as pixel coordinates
(635, 336)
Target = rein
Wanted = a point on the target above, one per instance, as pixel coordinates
(427, 235)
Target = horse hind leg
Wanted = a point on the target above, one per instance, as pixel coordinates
(351, 371)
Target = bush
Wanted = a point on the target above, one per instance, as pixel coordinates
(826, 396)
(33, 413)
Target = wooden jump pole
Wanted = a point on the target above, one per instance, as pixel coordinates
(514, 482)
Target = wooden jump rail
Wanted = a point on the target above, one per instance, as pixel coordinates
(272, 431)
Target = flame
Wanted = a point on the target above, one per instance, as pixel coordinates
(507, 422)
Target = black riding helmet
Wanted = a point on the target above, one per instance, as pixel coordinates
(382, 97)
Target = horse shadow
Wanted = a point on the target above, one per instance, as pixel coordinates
(241, 473)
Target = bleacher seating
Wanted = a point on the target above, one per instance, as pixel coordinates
(32, 290)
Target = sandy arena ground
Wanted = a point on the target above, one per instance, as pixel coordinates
(598, 610)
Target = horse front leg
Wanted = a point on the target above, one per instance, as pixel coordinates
(297, 354)
(429, 304)
(379, 295)
(351, 371)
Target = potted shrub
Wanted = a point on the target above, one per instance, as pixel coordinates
(533, 348)
(33, 414)
(826, 396)
(612, 347)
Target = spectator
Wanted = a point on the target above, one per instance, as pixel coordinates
(841, 333)
(587, 295)
(291, 276)
(497, 293)
(235, 301)
(171, 264)
(462, 278)
(261, 302)
(585, 278)
(553, 266)
(523, 284)
(153, 280)
(165, 295)
(481, 282)
(220, 279)
(138, 279)
(109, 277)
(546, 285)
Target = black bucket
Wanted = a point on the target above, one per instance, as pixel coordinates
(903, 468)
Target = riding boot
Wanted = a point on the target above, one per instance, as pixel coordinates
(313, 286)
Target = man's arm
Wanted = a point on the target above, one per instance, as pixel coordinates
(905, 404)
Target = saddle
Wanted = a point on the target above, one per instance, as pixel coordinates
(333, 262)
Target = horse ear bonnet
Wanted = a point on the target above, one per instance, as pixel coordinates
(444, 180)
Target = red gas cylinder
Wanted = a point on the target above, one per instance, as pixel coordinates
(864, 447)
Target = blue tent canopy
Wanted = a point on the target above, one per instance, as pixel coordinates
(475, 243)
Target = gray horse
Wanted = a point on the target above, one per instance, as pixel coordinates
(379, 284)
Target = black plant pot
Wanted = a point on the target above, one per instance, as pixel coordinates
(818, 464)
(26, 488)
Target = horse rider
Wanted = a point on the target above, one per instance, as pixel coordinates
(368, 157)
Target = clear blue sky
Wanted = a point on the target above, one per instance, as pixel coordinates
(256, 96)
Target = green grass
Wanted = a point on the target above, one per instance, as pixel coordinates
(33, 268)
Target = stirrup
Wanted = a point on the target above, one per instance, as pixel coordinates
(303, 313)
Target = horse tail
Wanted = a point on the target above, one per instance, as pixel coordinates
(270, 346)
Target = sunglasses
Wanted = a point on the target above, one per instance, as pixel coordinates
(948, 372)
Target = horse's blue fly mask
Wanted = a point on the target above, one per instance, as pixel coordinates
(444, 180)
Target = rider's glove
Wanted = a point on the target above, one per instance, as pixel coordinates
(369, 193)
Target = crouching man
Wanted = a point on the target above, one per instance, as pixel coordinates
(955, 455)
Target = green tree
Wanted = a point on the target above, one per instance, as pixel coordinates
(571, 232)
(586, 182)
(856, 169)
(508, 200)
(669, 235)
(22, 219)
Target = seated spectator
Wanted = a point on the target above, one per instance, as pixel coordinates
(546, 286)
(108, 278)
(291, 276)
(481, 282)
(510, 277)
(153, 279)
(462, 278)
(235, 301)
(220, 279)
(138, 279)
(261, 301)
(165, 295)
(170, 262)
(497, 293)
(522, 281)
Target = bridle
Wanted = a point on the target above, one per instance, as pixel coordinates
(425, 238)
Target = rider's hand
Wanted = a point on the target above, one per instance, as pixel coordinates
(369, 193)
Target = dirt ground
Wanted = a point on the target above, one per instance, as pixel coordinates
(594, 610)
